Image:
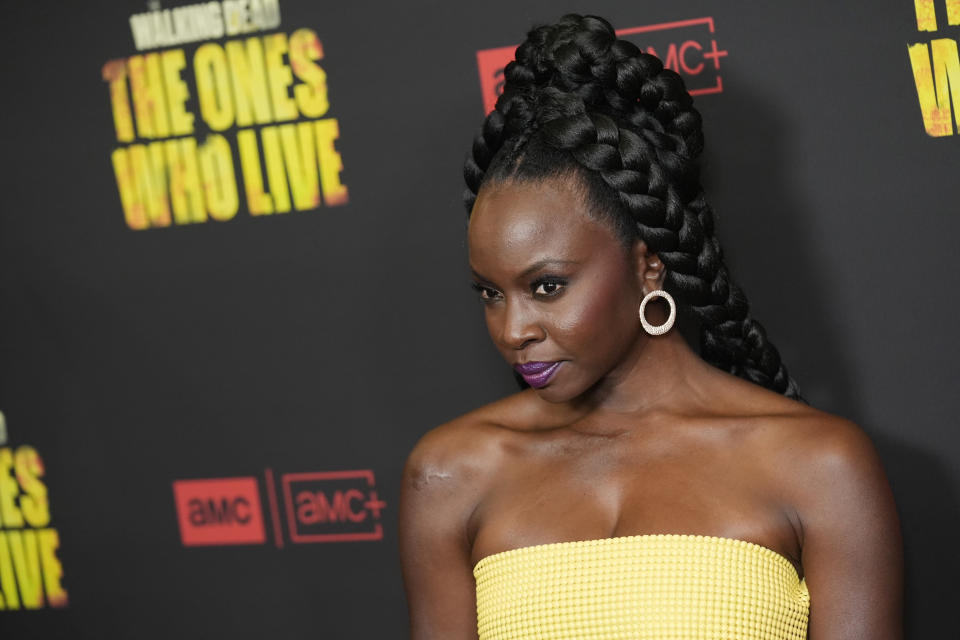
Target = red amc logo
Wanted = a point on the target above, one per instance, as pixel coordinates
(688, 47)
(332, 506)
(215, 511)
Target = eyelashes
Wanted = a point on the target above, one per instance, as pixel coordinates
(546, 287)
(485, 293)
(549, 286)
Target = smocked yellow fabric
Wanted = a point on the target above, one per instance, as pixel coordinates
(646, 587)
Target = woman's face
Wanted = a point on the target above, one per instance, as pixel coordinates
(560, 292)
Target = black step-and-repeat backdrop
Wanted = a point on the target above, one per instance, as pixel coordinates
(233, 282)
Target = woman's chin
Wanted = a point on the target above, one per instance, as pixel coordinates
(556, 394)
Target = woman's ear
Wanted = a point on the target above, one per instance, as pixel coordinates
(649, 268)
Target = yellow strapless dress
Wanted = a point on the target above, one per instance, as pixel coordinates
(645, 587)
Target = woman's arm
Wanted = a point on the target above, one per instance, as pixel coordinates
(852, 547)
(442, 483)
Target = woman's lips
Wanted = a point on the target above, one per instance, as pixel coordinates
(537, 374)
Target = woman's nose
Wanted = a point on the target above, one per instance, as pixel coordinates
(521, 326)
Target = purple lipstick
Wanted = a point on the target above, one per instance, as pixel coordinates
(537, 374)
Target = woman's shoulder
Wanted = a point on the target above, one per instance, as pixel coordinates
(469, 448)
(803, 431)
(822, 468)
(830, 453)
(828, 470)
(790, 439)
(775, 417)
(808, 447)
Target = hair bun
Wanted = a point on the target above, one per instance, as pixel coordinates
(572, 52)
(581, 57)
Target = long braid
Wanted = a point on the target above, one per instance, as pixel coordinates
(620, 115)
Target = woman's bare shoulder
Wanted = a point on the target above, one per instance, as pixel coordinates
(445, 478)
(469, 448)
(806, 433)
(831, 475)
(813, 454)
(777, 420)
(796, 440)
(831, 456)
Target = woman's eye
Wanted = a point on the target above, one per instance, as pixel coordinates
(486, 293)
(548, 288)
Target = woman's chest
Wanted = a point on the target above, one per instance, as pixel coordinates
(560, 494)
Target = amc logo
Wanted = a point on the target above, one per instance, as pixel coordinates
(688, 47)
(332, 506)
(215, 511)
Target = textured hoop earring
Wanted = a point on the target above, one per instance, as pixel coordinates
(663, 328)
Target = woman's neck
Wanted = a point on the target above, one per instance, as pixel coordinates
(659, 372)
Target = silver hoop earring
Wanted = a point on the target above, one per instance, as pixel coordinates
(663, 328)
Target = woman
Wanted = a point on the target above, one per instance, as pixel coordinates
(635, 489)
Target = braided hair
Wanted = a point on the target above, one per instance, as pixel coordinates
(577, 101)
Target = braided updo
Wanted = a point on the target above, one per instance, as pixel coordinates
(577, 101)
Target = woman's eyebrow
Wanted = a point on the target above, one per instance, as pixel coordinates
(540, 264)
(536, 266)
(479, 277)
